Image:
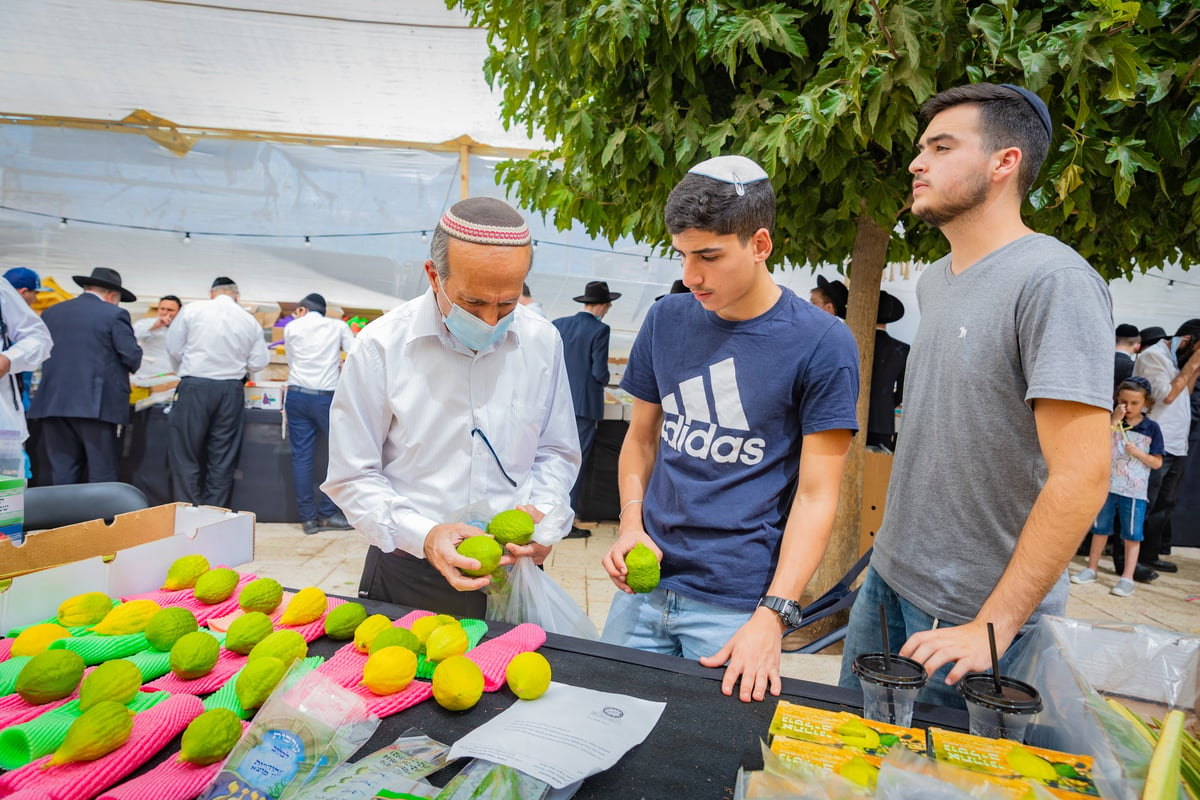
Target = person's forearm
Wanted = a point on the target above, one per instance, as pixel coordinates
(1186, 379)
(805, 539)
(1064, 510)
(634, 466)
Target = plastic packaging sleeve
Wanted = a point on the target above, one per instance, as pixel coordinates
(226, 696)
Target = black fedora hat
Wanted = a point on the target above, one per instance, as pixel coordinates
(890, 308)
(106, 278)
(597, 292)
(1152, 335)
(837, 292)
(676, 288)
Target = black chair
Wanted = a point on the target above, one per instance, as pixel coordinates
(839, 597)
(55, 506)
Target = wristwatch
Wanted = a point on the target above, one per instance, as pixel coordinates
(788, 610)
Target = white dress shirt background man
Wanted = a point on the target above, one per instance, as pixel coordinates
(314, 345)
(454, 402)
(212, 345)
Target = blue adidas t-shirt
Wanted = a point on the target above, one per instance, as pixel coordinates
(736, 397)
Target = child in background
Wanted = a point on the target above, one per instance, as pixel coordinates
(1137, 448)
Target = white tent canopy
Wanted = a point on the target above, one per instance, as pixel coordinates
(385, 91)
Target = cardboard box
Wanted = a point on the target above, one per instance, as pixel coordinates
(129, 556)
(268, 395)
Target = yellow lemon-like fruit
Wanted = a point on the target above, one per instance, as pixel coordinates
(36, 638)
(287, 646)
(257, 680)
(514, 526)
(484, 549)
(424, 626)
(528, 675)
(95, 733)
(84, 609)
(457, 683)
(247, 631)
(446, 641)
(131, 617)
(117, 680)
(184, 571)
(194, 655)
(368, 629)
(210, 736)
(644, 569)
(168, 626)
(306, 606)
(216, 586)
(389, 670)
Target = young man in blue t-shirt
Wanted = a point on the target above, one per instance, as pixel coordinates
(735, 385)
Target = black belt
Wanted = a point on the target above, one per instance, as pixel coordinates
(302, 390)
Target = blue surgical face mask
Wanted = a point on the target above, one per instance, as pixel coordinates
(473, 332)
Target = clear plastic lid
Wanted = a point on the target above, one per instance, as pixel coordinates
(900, 673)
(1015, 697)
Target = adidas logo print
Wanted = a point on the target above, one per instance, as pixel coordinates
(690, 422)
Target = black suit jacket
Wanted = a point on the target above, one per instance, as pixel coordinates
(887, 384)
(87, 375)
(585, 348)
(1122, 367)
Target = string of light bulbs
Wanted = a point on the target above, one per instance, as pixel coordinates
(187, 236)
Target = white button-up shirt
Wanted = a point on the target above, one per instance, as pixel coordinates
(1157, 365)
(153, 342)
(314, 345)
(403, 452)
(216, 339)
(30, 345)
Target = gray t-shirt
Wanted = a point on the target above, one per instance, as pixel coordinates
(1030, 320)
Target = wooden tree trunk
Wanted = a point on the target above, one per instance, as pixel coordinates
(868, 261)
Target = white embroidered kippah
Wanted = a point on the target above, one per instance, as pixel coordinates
(485, 220)
(737, 170)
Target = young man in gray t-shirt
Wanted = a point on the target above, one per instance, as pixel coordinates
(1002, 462)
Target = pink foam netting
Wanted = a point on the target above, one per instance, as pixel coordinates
(345, 667)
(185, 598)
(152, 730)
(5, 649)
(170, 780)
(14, 710)
(226, 667)
(493, 655)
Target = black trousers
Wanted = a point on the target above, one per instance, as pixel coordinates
(409, 581)
(81, 450)
(206, 436)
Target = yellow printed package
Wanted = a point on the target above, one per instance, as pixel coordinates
(860, 769)
(1063, 774)
(842, 729)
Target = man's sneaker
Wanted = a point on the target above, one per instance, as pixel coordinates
(1124, 588)
(310, 527)
(337, 522)
(1084, 576)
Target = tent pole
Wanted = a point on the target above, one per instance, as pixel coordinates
(464, 170)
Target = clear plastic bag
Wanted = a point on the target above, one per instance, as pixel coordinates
(530, 595)
(904, 774)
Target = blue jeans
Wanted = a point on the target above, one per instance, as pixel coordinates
(308, 417)
(1121, 515)
(903, 620)
(663, 621)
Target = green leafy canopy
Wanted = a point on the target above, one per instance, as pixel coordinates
(824, 94)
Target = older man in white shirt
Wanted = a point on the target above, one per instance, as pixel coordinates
(26, 344)
(451, 408)
(212, 345)
(314, 345)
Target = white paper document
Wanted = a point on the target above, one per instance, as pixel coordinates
(565, 735)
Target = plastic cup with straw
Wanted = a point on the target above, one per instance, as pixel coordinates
(890, 683)
(999, 707)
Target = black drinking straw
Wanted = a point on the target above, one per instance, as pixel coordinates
(883, 631)
(995, 660)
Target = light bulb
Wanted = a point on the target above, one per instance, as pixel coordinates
(424, 238)
(307, 242)
(187, 238)
(62, 223)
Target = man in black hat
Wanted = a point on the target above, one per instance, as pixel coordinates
(585, 348)
(830, 296)
(314, 344)
(83, 399)
(887, 375)
(212, 345)
(1128, 341)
